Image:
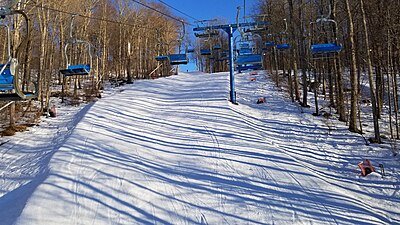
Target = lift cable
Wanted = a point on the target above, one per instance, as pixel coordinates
(162, 13)
(178, 10)
(96, 18)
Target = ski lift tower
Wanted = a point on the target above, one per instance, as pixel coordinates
(230, 30)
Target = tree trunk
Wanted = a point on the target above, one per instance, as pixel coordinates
(12, 115)
(377, 138)
(353, 73)
(293, 50)
(302, 57)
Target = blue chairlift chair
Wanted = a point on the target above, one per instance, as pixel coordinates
(77, 69)
(282, 46)
(10, 87)
(244, 45)
(247, 62)
(178, 59)
(245, 51)
(329, 46)
(217, 47)
(270, 44)
(248, 59)
(205, 51)
(283, 36)
(241, 68)
(162, 58)
(325, 48)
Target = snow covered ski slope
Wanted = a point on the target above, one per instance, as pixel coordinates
(175, 151)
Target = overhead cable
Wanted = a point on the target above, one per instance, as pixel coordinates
(162, 13)
(98, 19)
(178, 10)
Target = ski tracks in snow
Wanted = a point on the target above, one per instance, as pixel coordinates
(261, 124)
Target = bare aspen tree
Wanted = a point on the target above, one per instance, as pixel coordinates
(370, 76)
(353, 72)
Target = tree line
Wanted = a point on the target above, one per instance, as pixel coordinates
(364, 75)
(125, 38)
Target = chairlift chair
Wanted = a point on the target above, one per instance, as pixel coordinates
(245, 51)
(282, 46)
(178, 59)
(325, 48)
(205, 51)
(79, 69)
(249, 59)
(10, 87)
(217, 47)
(76, 69)
(162, 58)
(259, 25)
(247, 62)
(270, 44)
(323, 41)
(241, 68)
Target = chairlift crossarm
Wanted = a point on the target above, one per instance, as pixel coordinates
(224, 27)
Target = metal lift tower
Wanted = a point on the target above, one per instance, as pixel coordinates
(230, 30)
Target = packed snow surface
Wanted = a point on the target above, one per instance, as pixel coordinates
(176, 151)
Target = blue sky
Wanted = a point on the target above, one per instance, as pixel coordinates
(209, 9)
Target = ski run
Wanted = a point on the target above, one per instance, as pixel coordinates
(176, 151)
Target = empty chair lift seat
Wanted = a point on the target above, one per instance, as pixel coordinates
(249, 62)
(249, 59)
(217, 47)
(81, 69)
(7, 84)
(177, 59)
(162, 58)
(205, 52)
(249, 67)
(282, 46)
(6, 79)
(244, 45)
(245, 51)
(325, 48)
(269, 44)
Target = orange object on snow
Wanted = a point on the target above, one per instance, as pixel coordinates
(253, 79)
(366, 167)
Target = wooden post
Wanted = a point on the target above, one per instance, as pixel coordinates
(12, 114)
